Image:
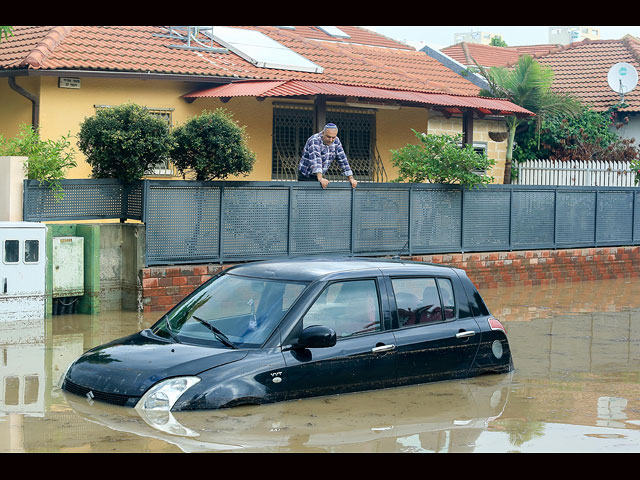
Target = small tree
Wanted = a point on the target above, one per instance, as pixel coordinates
(528, 84)
(213, 146)
(441, 159)
(47, 160)
(124, 142)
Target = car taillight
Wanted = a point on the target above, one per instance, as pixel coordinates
(495, 324)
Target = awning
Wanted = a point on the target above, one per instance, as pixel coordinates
(293, 88)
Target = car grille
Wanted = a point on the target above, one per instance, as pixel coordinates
(111, 398)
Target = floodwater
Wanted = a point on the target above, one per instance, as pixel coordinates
(575, 388)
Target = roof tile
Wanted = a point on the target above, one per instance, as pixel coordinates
(366, 59)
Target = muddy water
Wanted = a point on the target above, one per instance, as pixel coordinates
(576, 388)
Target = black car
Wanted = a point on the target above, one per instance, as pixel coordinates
(292, 328)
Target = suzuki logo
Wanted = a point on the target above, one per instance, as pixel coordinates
(89, 396)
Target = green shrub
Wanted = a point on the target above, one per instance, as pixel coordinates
(47, 160)
(441, 159)
(124, 142)
(213, 146)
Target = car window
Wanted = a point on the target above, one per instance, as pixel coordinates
(448, 300)
(244, 310)
(418, 300)
(349, 308)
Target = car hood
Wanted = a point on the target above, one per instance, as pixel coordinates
(129, 366)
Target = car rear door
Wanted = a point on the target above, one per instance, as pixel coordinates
(364, 355)
(433, 340)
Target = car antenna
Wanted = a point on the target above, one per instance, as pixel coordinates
(397, 255)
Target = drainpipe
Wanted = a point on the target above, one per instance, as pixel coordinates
(35, 102)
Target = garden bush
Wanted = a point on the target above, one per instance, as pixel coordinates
(124, 142)
(212, 146)
(441, 159)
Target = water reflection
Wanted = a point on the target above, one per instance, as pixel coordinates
(575, 388)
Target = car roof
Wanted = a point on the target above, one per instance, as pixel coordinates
(318, 268)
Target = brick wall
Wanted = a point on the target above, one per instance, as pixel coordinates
(542, 267)
(163, 287)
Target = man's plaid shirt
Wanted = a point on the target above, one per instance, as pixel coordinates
(317, 157)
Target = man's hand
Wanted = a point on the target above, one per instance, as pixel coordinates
(323, 181)
(354, 182)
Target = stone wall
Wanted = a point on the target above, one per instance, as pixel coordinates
(163, 287)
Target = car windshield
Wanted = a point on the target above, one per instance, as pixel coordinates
(237, 312)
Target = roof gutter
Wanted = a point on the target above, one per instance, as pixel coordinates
(35, 102)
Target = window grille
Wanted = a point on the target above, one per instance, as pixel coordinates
(293, 125)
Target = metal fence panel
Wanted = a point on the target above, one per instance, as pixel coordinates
(182, 223)
(255, 222)
(575, 218)
(83, 199)
(486, 219)
(532, 218)
(320, 221)
(636, 220)
(614, 223)
(436, 220)
(380, 220)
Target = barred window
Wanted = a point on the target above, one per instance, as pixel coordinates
(293, 125)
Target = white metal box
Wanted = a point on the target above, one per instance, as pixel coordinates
(22, 270)
(68, 266)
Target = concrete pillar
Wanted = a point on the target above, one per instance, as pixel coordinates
(11, 183)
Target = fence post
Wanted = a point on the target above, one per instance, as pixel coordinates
(11, 188)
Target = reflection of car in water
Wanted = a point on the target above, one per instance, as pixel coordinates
(285, 329)
(436, 417)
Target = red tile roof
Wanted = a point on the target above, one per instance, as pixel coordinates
(490, 56)
(382, 62)
(581, 69)
(263, 88)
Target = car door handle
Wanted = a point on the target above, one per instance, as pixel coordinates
(466, 333)
(382, 348)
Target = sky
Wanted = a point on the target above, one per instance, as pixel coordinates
(439, 37)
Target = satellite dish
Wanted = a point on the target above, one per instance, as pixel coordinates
(622, 78)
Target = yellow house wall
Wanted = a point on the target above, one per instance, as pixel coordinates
(497, 151)
(63, 110)
(14, 108)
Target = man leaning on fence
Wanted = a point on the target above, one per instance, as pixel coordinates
(320, 151)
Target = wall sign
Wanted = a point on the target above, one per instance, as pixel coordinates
(67, 82)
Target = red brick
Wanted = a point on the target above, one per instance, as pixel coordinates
(200, 270)
(194, 280)
(149, 282)
(179, 281)
(172, 271)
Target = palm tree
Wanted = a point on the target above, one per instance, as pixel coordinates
(527, 84)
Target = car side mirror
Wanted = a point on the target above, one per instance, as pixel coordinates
(317, 336)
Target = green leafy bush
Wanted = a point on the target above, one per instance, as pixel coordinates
(47, 160)
(124, 142)
(213, 146)
(441, 159)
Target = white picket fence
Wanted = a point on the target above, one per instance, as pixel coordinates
(593, 173)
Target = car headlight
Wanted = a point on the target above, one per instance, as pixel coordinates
(164, 395)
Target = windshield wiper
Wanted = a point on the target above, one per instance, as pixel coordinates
(219, 335)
